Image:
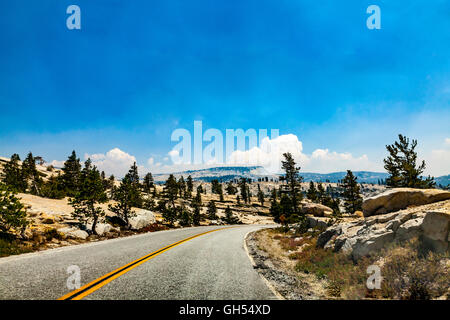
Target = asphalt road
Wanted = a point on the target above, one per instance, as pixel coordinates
(211, 266)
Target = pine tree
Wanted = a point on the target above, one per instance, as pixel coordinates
(321, 195)
(190, 186)
(31, 175)
(12, 174)
(311, 194)
(273, 196)
(260, 196)
(182, 187)
(229, 217)
(169, 213)
(293, 180)
(125, 197)
(71, 174)
(184, 216)
(402, 166)
(148, 183)
(275, 209)
(244, 190)
(171, 189)
(134, 193)
(196, 204)
(12, 213)
(90, 193)
(196, 216)
(231, 189)
(212, 210)
(198, 198)
(351, 193)
(53, 188)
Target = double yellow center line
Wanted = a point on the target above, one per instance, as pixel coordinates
(92, 286)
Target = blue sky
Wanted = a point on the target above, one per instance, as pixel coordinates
(137, 70)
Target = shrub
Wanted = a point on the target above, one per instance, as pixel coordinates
(411, 274)
(52, 233)
(12, 213)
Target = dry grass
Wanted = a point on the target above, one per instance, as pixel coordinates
(407, 271)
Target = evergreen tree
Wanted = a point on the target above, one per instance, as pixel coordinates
(311, 194)
(321, 195)
(401, 164)
(293, 180)
(125, 197)
(196, 204)
(184, 218)
(212, 210)
(133, 174)
(31, 175)
(171, 189)
(200, 189)
(90, 193)
(198, 199)
(196, 216)
(71, 174)
(12, 212)
(133, 187)
(238, 200)
(182, 187)
(231, 189)
(229, 217)
(190, 186)
(169, 213)
(244, 190)
(260, 196)
(286, 207)
(334, 205)
(351, 193)
(12, 175)
(275, 209)
(148, 183)
(53, 188)
(273, 196)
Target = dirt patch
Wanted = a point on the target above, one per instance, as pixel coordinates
(272, 262)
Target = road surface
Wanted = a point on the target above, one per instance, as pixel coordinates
(211, 264)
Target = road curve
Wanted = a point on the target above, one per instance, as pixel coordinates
(214, 265)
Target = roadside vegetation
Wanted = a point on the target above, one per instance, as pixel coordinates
(408, 270)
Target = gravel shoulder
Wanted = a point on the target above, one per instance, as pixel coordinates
(278, 270)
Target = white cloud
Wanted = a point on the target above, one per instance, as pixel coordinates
(57, 163)
(438, 161)
(150, 161)
(269, 155)
(115, 162)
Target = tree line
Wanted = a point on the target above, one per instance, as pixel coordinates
(87, 187)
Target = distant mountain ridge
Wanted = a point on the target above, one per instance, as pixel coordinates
(443, 180)
(255, 172)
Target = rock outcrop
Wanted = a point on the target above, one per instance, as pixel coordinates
(142, 219)
(402, 198)
(316, 209)
(103, 228)
(73, 233)
(430, 223)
